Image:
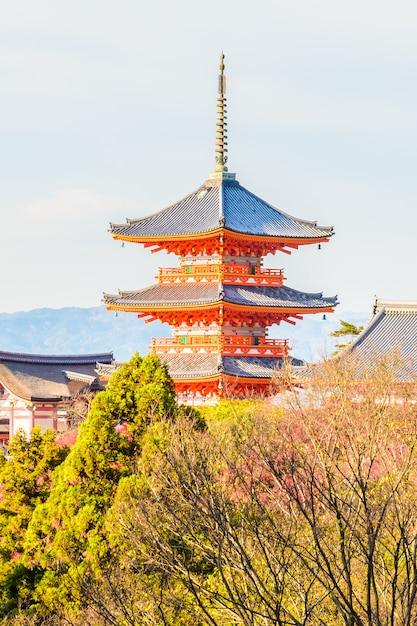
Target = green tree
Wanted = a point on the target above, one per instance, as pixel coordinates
(25, 480)
(348, 331)
(305, 518)
(66, 539)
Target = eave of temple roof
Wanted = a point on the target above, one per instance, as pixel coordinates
(220, 204)
(105, 370)
(184, 366)
(204, 366)
(35, 378)
(186, 295)
(391, 331)
(56, 359)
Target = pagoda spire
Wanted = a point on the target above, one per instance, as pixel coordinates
(221, 123)
(220, 301)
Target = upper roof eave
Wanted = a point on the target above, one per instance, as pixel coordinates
(212, 207)
(158, 239)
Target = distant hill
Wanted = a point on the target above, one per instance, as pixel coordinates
(310, 338)
(74, 330)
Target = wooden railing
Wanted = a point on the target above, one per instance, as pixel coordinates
(229, 273)
(226, 345)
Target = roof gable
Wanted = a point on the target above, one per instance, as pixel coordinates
(392, 330)
(35, 377)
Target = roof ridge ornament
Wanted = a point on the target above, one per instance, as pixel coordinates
(221, 123)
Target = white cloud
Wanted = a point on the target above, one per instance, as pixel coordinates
(72, 204)
(66, 212)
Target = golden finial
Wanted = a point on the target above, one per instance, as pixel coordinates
(221, 123)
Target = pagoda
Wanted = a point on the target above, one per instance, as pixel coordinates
(219, 300)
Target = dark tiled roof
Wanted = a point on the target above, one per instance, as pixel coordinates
(221, 203)
(281, 297)
(194, 365)
(105, 370)
(191, 293)
(204, 365)
(206, 293)
(56, 359)
(36, 377)
(254, 367)
(391, 332)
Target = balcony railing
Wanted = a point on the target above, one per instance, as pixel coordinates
(229, 273)
(226, 345)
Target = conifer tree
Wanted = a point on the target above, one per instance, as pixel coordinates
(25, 480)
(66, 538)
(348, 331)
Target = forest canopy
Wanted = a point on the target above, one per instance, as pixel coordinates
(296, 510)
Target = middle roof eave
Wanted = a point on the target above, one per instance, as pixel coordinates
(227, 205)
(194, 294)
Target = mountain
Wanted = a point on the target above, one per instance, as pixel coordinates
(74, 330)
(310, 337)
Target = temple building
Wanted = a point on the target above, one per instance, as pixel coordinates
(40, 390)
(219, 299)
(391, 334)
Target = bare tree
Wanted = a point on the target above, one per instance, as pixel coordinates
(348, 468)
(305, 514)
(202, 528)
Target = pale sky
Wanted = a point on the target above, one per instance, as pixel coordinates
(107, 111)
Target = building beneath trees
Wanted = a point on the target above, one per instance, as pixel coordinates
(220, 300)
(40, 390)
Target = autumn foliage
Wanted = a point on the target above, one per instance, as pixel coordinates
(300, 510)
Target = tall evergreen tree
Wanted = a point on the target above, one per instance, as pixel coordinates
(25, 481)
(66, 538)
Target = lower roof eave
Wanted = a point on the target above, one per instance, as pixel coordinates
(251, 379)
(197, 378)
(221, 375)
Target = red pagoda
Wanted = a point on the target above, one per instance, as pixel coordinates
(219, 300)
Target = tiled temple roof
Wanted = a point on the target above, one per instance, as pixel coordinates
(192, 365)
(391, 331)
(221, 204)
(204, 365)
(105, 370)
(195, 294)
(48, 378)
